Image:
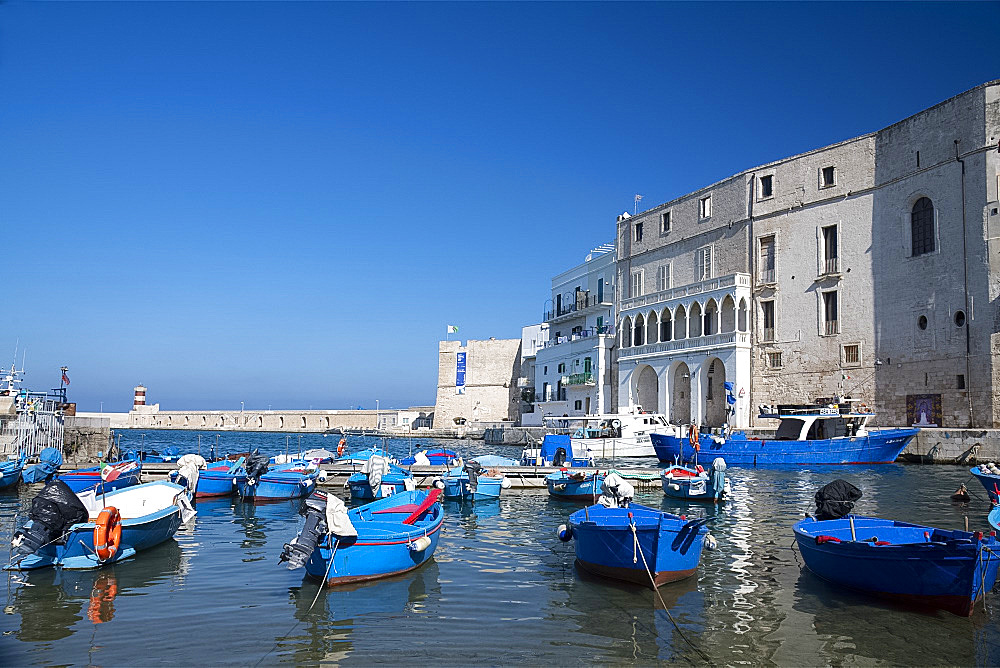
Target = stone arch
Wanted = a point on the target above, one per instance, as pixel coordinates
(728, 314)
(204, 420)
(647, 392)
(187, 420)
(713, 380)
(260, 421)
(680, 394)
(652, 325)
(711, 318)
(222, 420)
(302, 425)
(695, 321)
(666, 325)
(281, 422)
(327, 422)
(680, 323)
(741, 317)
(169, 420)
(638, 329)
(626, 332)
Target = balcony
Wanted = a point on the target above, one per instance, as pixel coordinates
(577, 379)
(583, 303)
(590, 335)
(737, 339)
(708, 285)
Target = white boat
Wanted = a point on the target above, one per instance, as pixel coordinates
(614, 435)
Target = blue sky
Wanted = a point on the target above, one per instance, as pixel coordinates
(285, 204)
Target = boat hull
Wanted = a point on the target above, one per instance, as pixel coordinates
(277, 486)
(679, 483)
(90, 478)
(217, 483)
(949, 570)
(994, 518)
(879, 447)
(563, 486)
(613, 448)
(989, 481)
(10, 473)
(487, 489)
(605, 544)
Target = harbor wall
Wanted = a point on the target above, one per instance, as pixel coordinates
(953, 446)
(85, 438)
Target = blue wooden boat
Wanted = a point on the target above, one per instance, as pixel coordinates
(361, 456)
(285, 481)
(116, 476)
(366, 486)
(393, 535)
(574, 486)
(694, 483)
(149, 515)
(810, 434)
(49, 461)
(950, 570)
(435, 458)
(556, 450)
(990, 480)
(470, 484)
(217, 479)
(608, 542)
(167, 455)
(994, 518)
(10, 471)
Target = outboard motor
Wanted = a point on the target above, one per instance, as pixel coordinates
(473, 469)
(836, 499)
(559, 458)
(256, 466)
(53, 510)
(297, 551)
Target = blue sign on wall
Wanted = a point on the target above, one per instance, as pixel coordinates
(460, 373)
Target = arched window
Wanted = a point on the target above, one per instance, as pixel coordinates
(922, 226)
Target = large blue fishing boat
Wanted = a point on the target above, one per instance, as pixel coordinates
(950, 570)
(989, 476)
(830, 433)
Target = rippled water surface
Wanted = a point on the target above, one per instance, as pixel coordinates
(501, 588)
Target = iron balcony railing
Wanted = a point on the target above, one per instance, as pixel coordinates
(831, 327)
(585, 378)
(583, 301)
(831, 265)
(604, 330)
(767, 275)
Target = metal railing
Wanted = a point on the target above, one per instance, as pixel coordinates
(584, 300)
(604, 330)
(585, 378)
(701, 287)
(739, 339)
(766, 276)
(831, 327)
(831, 265)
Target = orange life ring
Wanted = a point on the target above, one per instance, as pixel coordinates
(107, 533)
(341, 447)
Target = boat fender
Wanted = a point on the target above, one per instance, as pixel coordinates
(674, 486)
(564, 532)
(322, 476)
(438, 483)
(107, 533)
(420, 544)
(710, 542)
(826, 539)
(505, 483)
(560, 488)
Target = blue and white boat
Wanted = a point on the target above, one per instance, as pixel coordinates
(361, 456)
(142, 516)
(575, 486)
(989, 476)
(440, 457)
(284, 481)
(105, 478)
(167, 455)
(49, 461)
(627, 541)
(215, 479)
(694, 483)
(379, 478)
(471, 482)
(10, 471)
(556, 450)
(835, 433)
(383, 538)
(949, 570)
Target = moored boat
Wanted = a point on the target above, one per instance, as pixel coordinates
(383, 538)
(10, 471)
(472, 482)
(617, 434)
(105, 478)
(91, 530)
(574, 485)
(834, 433)
(211, 479)
(989, 475)
(263, 482)
(379, 478)
(694, 483)
(556, 450)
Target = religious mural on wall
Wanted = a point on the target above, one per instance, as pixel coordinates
(923, 410)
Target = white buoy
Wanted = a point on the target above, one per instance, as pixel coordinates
(505, 483)
(439, 483)
(420, 544)
(564, 532)
(710, 542)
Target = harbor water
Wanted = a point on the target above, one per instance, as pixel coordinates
(501, 588)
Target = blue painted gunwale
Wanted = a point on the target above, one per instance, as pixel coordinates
(880, 446)
(605, 545)
(994, 518)
(382, 547)
(278, 484)
(138, 533)
(10, 471)
(950, 570)
(587, 489)
(989, 481)
(216, 480)
(82, 480)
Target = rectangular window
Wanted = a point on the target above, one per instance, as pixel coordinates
(577, 405)
(665, 221)
(562, 368)
(663, 277)
(767, 320)
(766, 259)
(545, 392)
(852, 354)
(828, 177)
(635, 287)
(638, 231)
(545, 370)
(830, 251)
(705, 207)
(830, 325)
(587, 364)
(960, 381)
(766, 187)
(774, 360)
(703, 263)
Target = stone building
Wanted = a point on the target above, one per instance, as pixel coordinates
(477, 382)
(869, 267)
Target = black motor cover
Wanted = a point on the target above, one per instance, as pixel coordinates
(559, 458)
(299, 549)
(53, 510)
(836, 499)
(256, 465)
(472, 469)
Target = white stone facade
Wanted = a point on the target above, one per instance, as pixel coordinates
(884, 248)
(490, 392)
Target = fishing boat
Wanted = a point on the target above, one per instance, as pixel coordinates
(989, 475)
(431, 458)
(98, 529)
(263, 482)
(829, 433)
(212, 479)
(49, 461)
(949, 570)
(618, 539)
(167, 455)
(616, 435)
(379, 478)
(107, 477)
(694, 483)
(361, 456)
(10, 471)
(574, 485)
(994, 517)
(556, 450)
(383, 538)
(313, 456)
(472, 482)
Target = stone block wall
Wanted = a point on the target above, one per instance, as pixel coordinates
(491, 392)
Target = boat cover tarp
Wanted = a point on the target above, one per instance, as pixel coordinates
(375, 468)
(338, 522)
(49, 461)
(53, 510)
(836, 499)
(552, 442)
(188, 467)
(615, 492)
